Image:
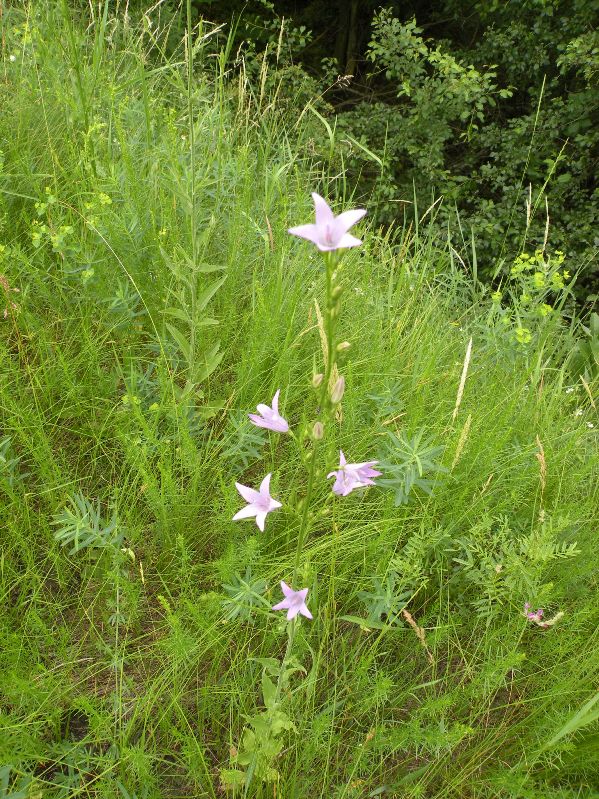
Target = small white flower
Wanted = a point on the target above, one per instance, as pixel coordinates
(12, 57)
(570, 389)
(590, 425)
(578, 412)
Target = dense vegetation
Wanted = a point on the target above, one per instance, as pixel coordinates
(491, 106)
(152, 298)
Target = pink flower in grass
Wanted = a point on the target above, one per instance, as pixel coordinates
(294, 602)
(269, 417)
(352, 475)
(531, 615)
(330, 231)
(259, 502)
(536, 617)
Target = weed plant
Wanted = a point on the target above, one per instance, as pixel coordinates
(153, 298)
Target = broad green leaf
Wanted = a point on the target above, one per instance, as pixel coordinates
(181, 342)
(232, 778)
(269, 691)
(204, 298)
(213, 358)
(178, 313)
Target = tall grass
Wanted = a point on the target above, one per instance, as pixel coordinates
(145, 194)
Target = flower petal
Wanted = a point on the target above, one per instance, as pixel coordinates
(260, 519)
(324, 215)
(347, 240)
(309, 232)
(245, 513)
(305, 612)
(275, 401)
(265, 486)
(287, 590)
(349, 218)
(258, 421)
(249, 494)
(283, 605)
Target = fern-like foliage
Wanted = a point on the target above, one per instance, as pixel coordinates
(409, 463)
(81, 526)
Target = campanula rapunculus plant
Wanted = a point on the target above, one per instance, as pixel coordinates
(330, 235)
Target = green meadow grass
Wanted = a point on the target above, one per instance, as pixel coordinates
(145, 194)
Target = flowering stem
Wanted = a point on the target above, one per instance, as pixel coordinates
(330, 260)
(291, 636)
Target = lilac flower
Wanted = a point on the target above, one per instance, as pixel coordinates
(330, 231)
(352, 475)
(269, 417)
(259, 502)
(294, 602)
(535, 616)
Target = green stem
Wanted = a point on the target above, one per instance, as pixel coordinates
(291, 636)
(192, 329)
(330, 260)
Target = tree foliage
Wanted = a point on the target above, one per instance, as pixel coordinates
(492, 106)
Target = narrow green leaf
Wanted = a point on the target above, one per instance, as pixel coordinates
(587, 714)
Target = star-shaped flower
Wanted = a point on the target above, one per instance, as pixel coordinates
(269, 417)
(259, 502)
(294, 602)
(352, 475)
(330, 231)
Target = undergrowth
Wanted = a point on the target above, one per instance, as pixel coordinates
(153, 297)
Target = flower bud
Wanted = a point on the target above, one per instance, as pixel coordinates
(317, 380)
(318, 431)
(343, 346)
(338, 390)
(337, 292)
